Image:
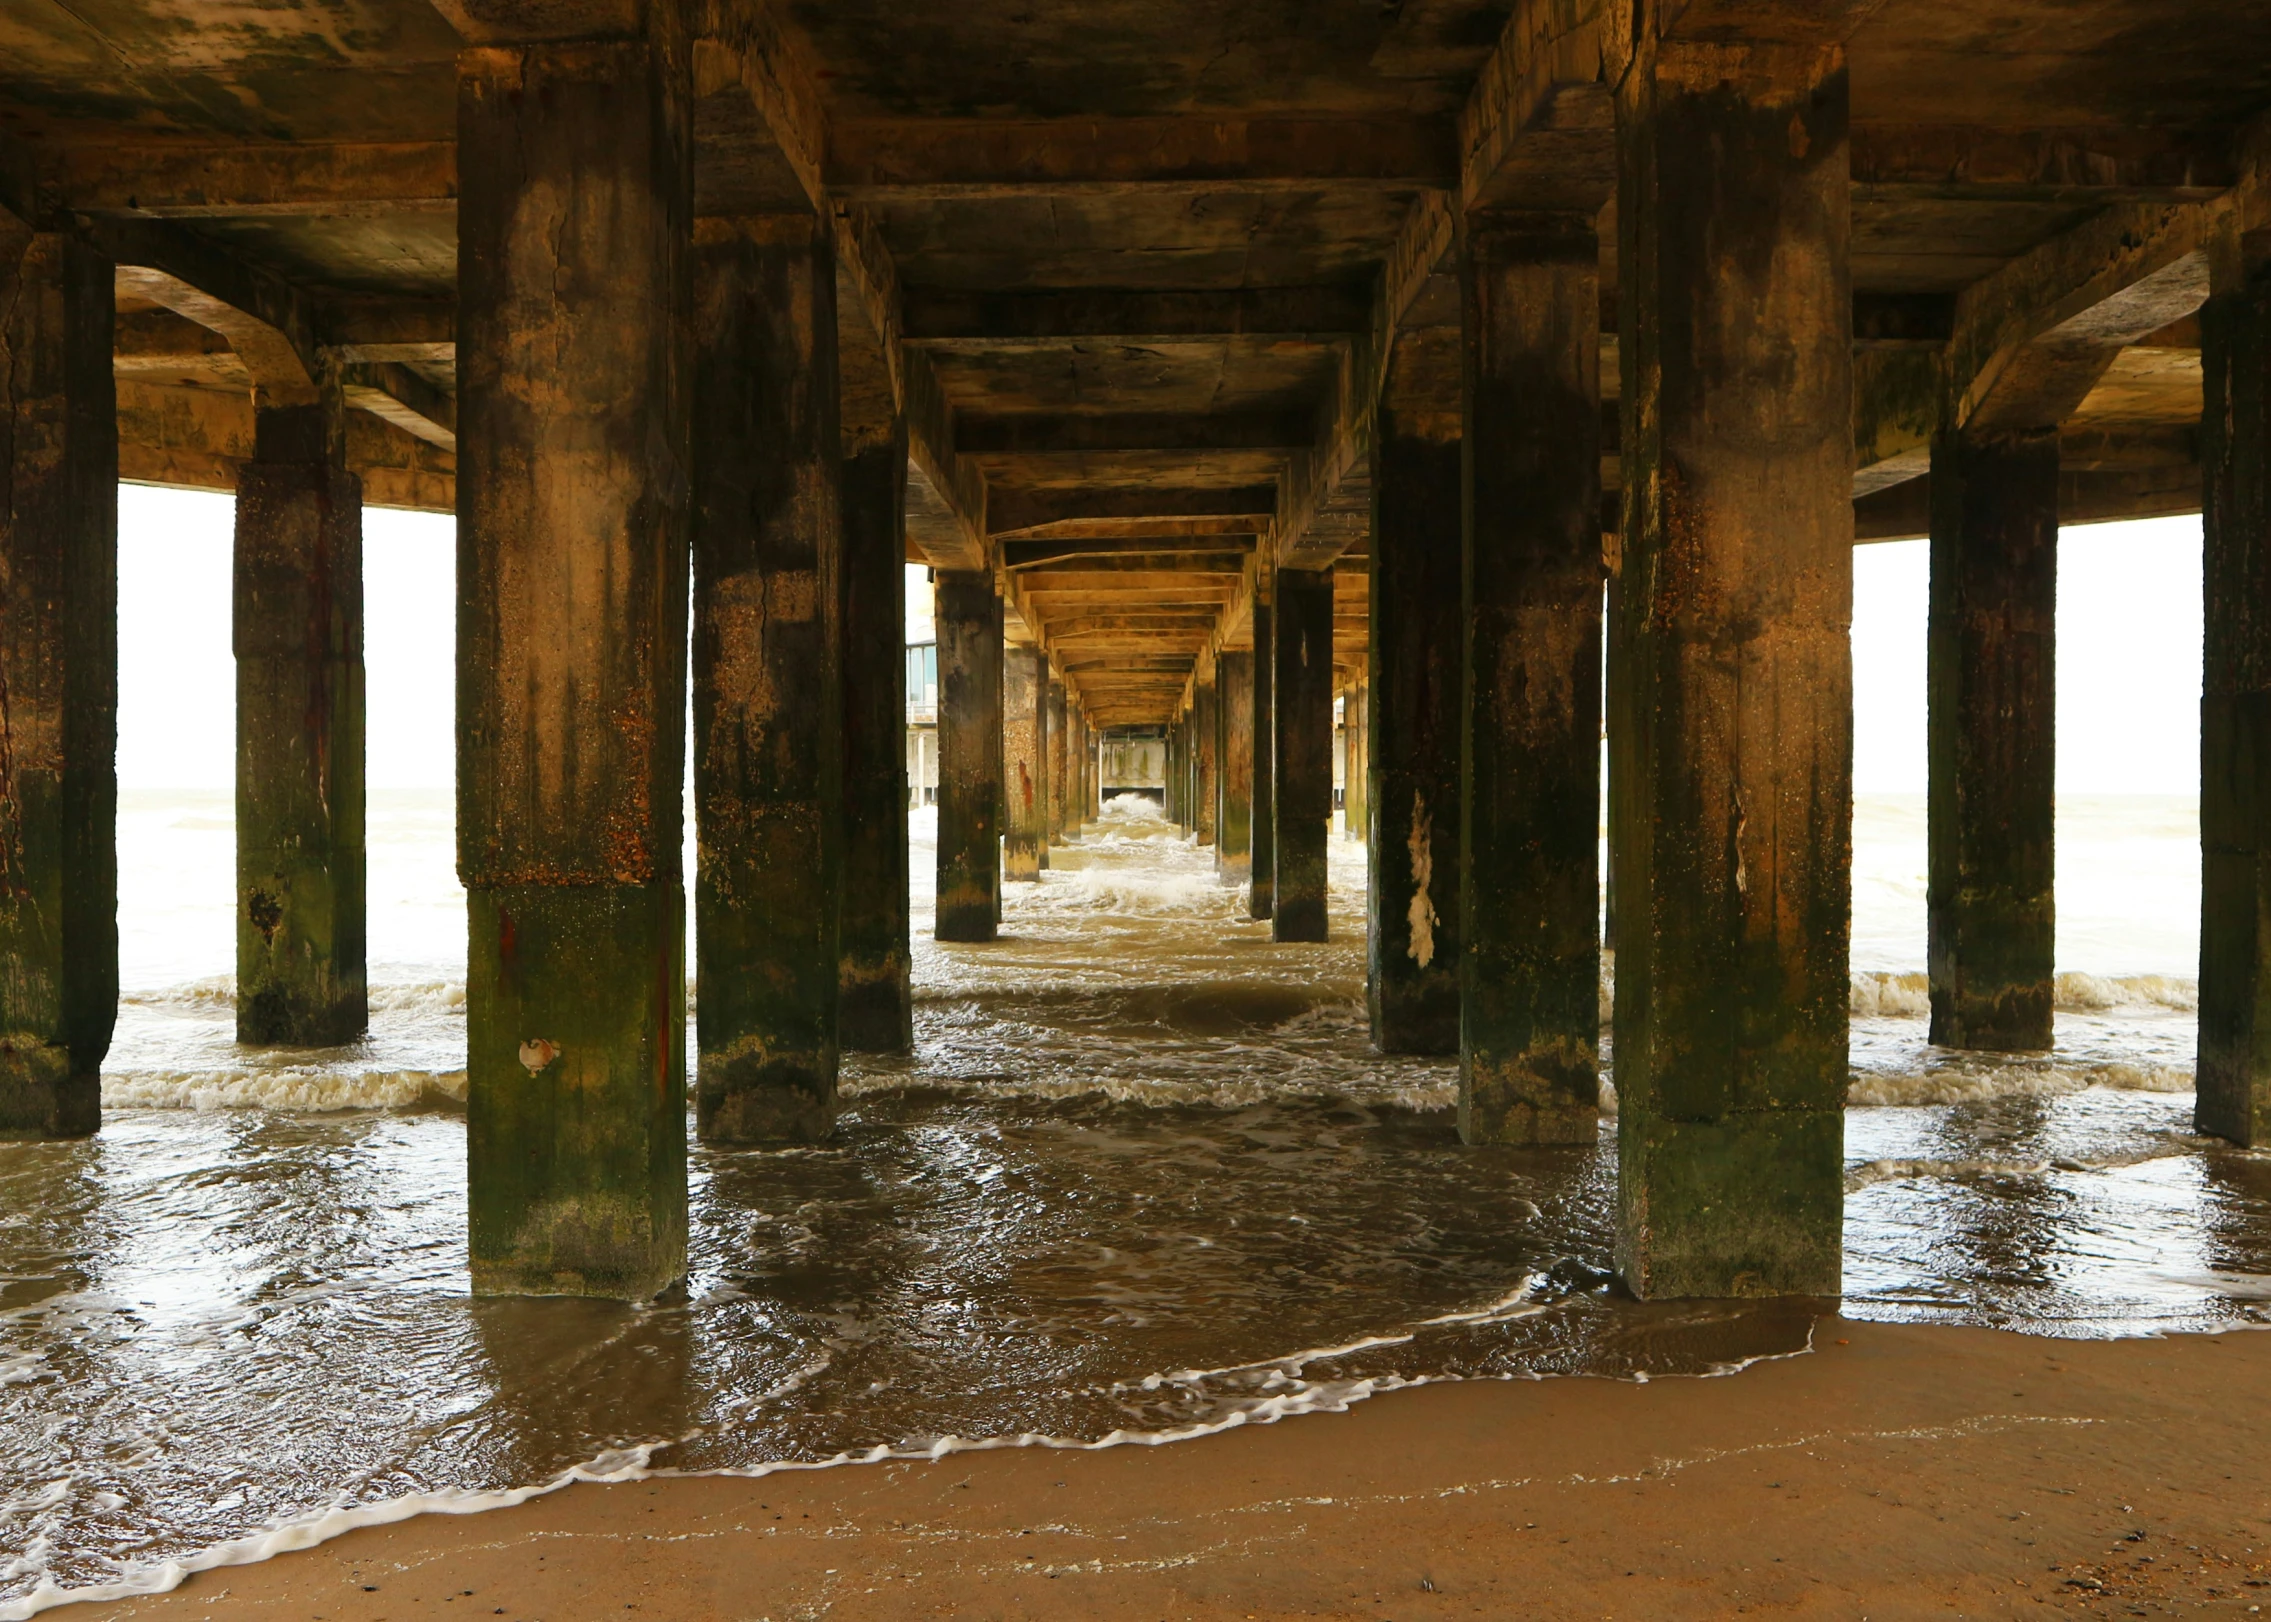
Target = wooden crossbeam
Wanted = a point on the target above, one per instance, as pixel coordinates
(1062, 434)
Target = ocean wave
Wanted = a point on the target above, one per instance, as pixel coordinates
(1880, 995)
(310, 1091)
(218, 993)
(1977, 1082)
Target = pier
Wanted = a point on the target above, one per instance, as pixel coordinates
(1407, 395)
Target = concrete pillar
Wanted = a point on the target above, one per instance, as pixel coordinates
(968, 618)
(1261, 894)
(2234, 1070)
(1302, 719)
(1992, 724)
(768, 687)
(1530, 863)
(1415, 675)
(1060, 763)
(1234, 749)
(1731, 713)
(1356, 783)
(59, 663)
(575, 357)
(1024, 748)
(1203, 784)
(298, 637)
(874, 1000)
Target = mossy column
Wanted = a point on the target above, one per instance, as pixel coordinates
(1024, 750)
(2234, 1070)
(1731, 705)
(1530, 864)
(1992, 725)
(575, 366)
(1261, 892)
(1234, 749)
(1414, 675)
(58, 682)
(1205, 719)
(768, 679)
(874, 1008)
(1357, 775)
(1302, 728)
(968, 617)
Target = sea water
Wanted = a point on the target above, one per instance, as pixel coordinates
(1143, 1177)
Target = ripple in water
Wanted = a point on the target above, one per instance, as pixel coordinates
(1142, 1178)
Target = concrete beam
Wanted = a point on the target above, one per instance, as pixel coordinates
(1064, 435)
(398, 395)
(269, 323)
(1028, 513)
(1055, 316)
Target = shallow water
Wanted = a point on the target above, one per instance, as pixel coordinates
(1142, 1176)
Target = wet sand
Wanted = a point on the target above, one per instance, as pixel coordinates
(1898, 1471)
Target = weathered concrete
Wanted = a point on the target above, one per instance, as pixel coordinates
(1205, 789)
(58, 682)
(1414, 676)
(874, 1000)
(1356, 781)
(297, 631)
(1234, 751)
(2234, 1070)
(1302, 721)
(968, 617)
(574, 367)
(1731, 714)
(1992, 724)
(1024, 751)
(1061, 761)
(1261, 895)
(1530, 865)
(768, 684)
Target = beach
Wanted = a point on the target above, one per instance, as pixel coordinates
(1893, 1471)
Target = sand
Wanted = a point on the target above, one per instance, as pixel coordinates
(1894, 1472)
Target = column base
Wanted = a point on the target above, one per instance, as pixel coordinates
(1748, 1205)
(39, 1096)
(1539, 1099)
(753, 1096)
(576, 1090)
(875, 1008)
(1299, 920)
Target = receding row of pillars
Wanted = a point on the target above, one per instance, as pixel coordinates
(603, 453)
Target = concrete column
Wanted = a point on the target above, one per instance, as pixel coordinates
(298, 636)
(1530, 865)
(874, 1002)
(2234, 1070)
(1356, 783)
(1992, 727)
(59, 666)
(1261, 895)
(1234, 749)
(1093, 739)
(1732, 707)
(1302, 720)
(1060, 763)
(1024, 748)
(1415, 674)
(768, 685)
(575, 357)
(1205, 790)
(968, 618)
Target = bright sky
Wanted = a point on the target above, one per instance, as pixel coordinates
(2128, 668)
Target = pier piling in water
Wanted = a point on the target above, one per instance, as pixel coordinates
(1731, 714)
(297, 630)
(59, 672)
(1530, 935)
(1206, 785)
(1061, 759)
(1261, 895)
(875, 1000)
(1024, 751)
(769, 713)
(969, 756)
(2234, 1074)
(1414, 675)
(1302, 721)
(574, 364)
(1992, 725)
(1234, 749)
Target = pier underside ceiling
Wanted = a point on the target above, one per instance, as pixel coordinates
(1134, 275)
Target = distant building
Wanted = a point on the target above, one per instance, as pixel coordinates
(922, 723)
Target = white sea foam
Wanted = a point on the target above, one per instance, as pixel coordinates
(1882, 995)
(306, 1091)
